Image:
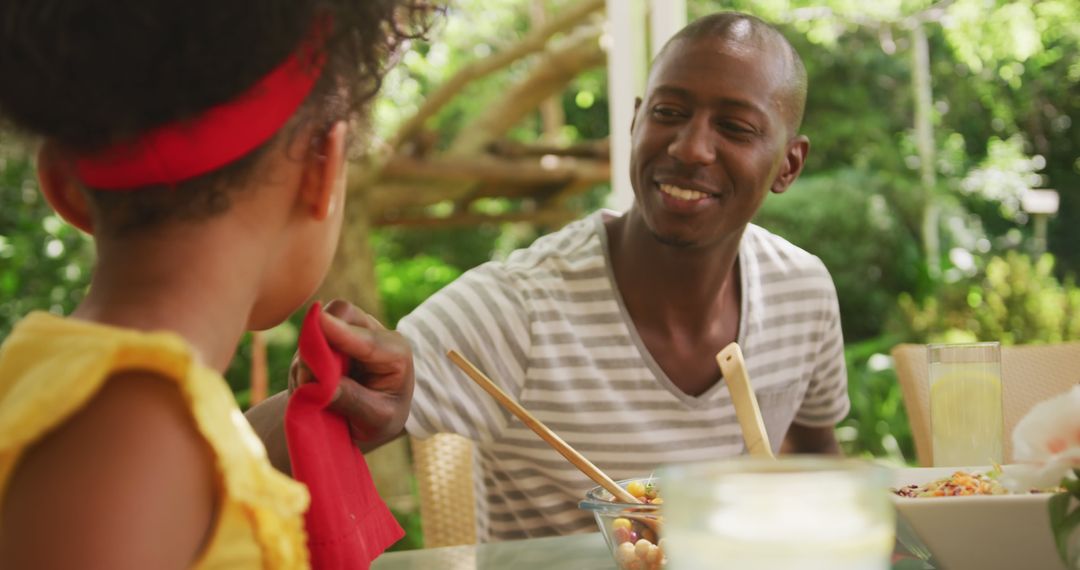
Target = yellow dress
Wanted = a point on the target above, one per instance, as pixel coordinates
(51, 366)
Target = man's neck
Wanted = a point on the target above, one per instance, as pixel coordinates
(673, 287)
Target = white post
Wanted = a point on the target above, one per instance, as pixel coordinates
(626, 54)
(665, 18)
(627, 68)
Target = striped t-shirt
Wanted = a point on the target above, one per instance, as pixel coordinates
(549, 326)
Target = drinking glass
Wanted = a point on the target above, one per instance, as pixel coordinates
(965, 404)
(797, 512)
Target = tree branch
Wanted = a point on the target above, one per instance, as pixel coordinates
(595, 149)
(550, 75)
(407, 183)
(534, 42)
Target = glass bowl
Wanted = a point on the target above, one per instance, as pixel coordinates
(632, 531)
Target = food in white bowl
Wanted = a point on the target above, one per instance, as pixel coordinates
(969, 521)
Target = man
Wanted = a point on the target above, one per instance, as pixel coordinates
(607, 330)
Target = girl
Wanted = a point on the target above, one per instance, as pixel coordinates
(202, 144)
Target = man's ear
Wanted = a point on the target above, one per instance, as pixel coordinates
(61, 187)
(794, 160)
(323, 192)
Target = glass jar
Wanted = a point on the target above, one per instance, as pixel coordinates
(798, 512)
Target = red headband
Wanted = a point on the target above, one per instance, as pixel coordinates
(181, 150)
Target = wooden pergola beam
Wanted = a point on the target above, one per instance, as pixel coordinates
(594, 149)
(528, 172)
(409, 184)
(469, 219)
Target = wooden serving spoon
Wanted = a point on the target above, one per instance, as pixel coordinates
(733, 368)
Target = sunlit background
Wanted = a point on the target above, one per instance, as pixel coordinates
(942, 192)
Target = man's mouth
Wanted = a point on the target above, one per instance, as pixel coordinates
(682, 193)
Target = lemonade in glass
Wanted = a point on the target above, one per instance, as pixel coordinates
(965, 404)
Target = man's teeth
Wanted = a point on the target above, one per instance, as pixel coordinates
(682, 193)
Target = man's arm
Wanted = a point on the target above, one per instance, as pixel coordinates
(806, 439)
(825, 402)
(268, 421)
(374, 396)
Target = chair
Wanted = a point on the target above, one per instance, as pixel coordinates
(1029, 375)
(443, 464)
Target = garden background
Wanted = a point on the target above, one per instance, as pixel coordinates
(930, 125)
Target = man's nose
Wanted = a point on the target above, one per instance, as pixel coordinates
(693, 143)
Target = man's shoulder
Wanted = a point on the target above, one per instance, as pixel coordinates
(569, 254)
(575, 242)
(778, 258)
(572, 252)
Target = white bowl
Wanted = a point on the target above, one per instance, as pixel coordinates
(988, 532)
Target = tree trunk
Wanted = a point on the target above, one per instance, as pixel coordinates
(352, 274)
(924, 140)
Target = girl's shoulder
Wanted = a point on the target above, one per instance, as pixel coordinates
(128, 469)
(51, 366)
(167, 412)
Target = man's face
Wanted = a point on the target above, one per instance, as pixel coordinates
(709, 139)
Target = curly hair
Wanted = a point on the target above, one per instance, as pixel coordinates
(87, 74)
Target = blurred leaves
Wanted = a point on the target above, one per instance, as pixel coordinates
(405, 283)
(844, 218)
(877, 425)
(44, 262)
(1012, 299)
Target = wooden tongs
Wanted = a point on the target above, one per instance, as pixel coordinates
(545, 433)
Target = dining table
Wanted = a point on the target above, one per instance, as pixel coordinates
(575, 552)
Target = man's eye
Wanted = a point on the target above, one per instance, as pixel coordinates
(666, 112)
(736, 128)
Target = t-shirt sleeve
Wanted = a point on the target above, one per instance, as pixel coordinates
(482, 316)
(826, 401)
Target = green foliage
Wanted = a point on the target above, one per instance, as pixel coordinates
(406, 283)
(877, 425)
(1005, 76)
(414, 535)
(843, 218)
(44, 263)
(1012, 299)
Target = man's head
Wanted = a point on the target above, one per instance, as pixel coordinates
(717, 129)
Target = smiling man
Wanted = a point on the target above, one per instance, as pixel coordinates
(607, 330)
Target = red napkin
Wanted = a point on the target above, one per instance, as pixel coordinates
(348, 524)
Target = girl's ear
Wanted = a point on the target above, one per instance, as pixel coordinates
(323, 190)
(61, 187)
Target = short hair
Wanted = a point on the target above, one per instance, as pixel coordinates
(90, 74)
(751, 29)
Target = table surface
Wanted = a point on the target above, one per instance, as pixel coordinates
(578, 551)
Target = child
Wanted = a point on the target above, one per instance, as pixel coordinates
(202, 144)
